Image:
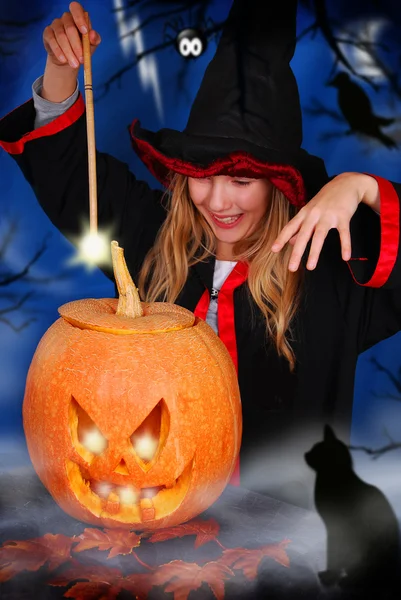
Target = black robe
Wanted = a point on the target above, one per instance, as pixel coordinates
(345, 308)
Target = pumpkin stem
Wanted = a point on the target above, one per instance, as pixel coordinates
(129, 302)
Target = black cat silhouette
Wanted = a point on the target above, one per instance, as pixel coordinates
(363, 541)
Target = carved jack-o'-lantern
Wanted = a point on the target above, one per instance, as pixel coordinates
(132, 421)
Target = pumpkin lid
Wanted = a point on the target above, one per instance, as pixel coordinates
(100, 315)
(127, 314)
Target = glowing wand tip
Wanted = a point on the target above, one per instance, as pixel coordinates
(94, 247)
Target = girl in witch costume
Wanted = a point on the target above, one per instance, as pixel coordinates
(298, 274)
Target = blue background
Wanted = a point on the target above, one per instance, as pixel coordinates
(136, 96)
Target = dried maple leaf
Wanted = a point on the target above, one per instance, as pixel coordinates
(103, 583)
(139, 584)
(94, 573)
(184, 577)
(205, 531)
(93, 591)
(248, 560)
(31, 555)
(120, 541)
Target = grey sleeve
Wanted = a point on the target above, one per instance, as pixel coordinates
(47, 111)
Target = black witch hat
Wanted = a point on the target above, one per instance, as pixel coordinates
(246, 118)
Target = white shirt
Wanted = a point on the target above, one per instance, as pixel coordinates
(222, 270)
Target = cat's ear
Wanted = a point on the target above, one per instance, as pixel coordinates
(329, 433)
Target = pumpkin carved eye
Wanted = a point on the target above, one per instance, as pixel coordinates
(145, 446)
(86, 435)
(150, 437)
(93, 440)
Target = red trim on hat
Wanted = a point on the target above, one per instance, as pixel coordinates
(390, 234)
(241, 164)
(226, 324)
(62, 122)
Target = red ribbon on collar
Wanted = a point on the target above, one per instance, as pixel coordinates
(226, 323)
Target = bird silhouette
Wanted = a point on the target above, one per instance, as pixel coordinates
(357, 110)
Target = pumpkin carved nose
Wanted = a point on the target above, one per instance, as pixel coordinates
(121, 468)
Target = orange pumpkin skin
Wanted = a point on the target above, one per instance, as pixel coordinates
(166, 370)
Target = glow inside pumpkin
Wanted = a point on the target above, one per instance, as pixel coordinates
(132, 421)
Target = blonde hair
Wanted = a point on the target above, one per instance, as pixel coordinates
(274, 288)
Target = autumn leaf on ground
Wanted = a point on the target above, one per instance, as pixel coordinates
(121, 541)
(31, 555)
(103, 583)
(184, 577)
(139, 584)
(92, 591)
(248, 560)
(205, 531)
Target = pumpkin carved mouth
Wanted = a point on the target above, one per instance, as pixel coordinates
(125, 503)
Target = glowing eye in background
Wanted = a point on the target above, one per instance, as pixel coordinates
(94, 441)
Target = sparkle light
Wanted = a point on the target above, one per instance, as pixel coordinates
(103, 489)
(94, 441)
(128, 495)
(145, 446)
(93, 249)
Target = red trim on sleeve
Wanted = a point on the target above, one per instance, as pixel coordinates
(226, 324)
(390, 234)
(62, 122)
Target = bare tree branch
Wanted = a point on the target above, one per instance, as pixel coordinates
(140, 55)
(392, 445)
(390, 75)
(396, 381)
(17, 305)
(150, 19)
(379, 451)
(12, 300)
(6, 40)
(16, 328)
(7, 239)
(187, 5)
(20, 24)
(9, 279)
(62, 275)
(322, 23)
(10, 40)
(317, 109)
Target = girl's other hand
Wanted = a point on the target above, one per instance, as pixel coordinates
(332, 208)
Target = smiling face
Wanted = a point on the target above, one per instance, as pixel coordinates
(233, 206)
